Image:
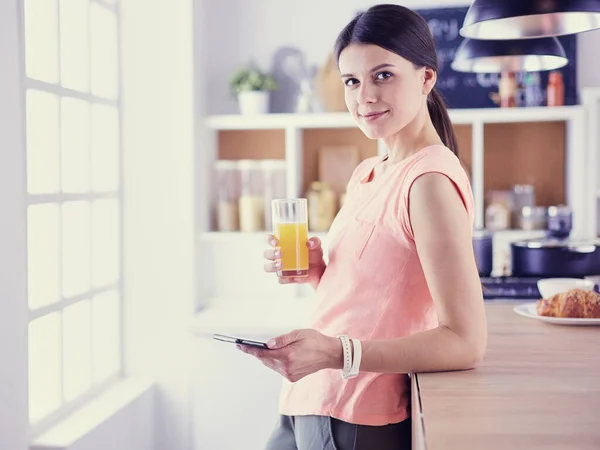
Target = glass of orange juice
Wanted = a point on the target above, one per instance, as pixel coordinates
(290, 227)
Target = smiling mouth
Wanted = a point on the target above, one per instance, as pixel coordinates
(369, 117)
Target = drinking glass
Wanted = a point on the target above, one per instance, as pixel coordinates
(290, 227)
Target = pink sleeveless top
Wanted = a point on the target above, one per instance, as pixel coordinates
(373, 288)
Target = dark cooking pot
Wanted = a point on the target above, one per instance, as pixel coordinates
(555, 258)
(483, 248)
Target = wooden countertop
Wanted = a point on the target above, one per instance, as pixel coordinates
(538, 388)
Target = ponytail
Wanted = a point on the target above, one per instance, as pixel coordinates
(441, 120)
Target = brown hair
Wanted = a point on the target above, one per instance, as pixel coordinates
(406, 33)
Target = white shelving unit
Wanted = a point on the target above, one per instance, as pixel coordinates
(231, 263)
(344, 120)
(578, 167)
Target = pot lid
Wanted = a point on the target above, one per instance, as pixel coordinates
(482, 233)
(558, 243)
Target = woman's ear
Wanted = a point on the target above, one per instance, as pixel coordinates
(429, 80)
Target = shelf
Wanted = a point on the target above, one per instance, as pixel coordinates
(280, 121)
(344, 120)
(224, 236)
(231, 235)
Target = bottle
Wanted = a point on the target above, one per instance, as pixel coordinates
(507, 89)
(321, 206)
(534, 95)
(556, 89)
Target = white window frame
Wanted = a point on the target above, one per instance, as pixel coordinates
(67, 407)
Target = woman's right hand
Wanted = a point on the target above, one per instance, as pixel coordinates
(316, 264)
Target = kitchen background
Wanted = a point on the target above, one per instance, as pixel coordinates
(197, 163)
(524, 138)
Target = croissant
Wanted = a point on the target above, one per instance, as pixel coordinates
(574, 303)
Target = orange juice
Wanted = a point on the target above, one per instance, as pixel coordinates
(292, 239)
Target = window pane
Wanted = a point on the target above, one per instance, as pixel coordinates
(75, 248)
(42, 143)
(77, 349)
(43, 254)
(75, 155)
(105, 242)
(74, 48)
(44, 366)
(104, 52)
(105, 148)
(41, 40)
(107, 335)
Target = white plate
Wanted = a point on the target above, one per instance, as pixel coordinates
(529, 310)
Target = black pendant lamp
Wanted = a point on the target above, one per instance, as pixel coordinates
(524, 19)
(518, 55)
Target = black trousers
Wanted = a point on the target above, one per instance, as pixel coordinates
(327, 433)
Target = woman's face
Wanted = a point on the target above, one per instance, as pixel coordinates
(384, 92)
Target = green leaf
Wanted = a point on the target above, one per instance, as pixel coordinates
(250, 78)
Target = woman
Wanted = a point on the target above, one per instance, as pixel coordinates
(401, 279)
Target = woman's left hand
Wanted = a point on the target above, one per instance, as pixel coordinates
(299, 353)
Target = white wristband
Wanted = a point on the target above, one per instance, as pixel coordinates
(357, 356)
(347, 349)
(351, 358)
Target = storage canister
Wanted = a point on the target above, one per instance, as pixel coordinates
(274, 185)
(228, 193)
(251, 202)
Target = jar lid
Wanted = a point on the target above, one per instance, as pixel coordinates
(523, 188)
(226, 164)
(482, 233)
(273, 164)
(559, 210)
(529, 211)
(558, 243)
(248, 164)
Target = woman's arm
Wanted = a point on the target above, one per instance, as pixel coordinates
(442, 233)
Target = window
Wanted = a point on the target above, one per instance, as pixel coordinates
(73, 115)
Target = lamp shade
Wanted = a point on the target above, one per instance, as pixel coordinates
(524, 19)
(518, 55)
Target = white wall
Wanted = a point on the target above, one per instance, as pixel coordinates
(121, 419)
(588, 49)
(239, 31)
(13, 270)
(129, 429)
(158, 201)
(158, 147)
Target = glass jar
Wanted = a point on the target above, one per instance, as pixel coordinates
(228, 193)
(274, 185)
(523, 196)
(560, 221)
(321, 206)
(533, 218)
(251, 202)
(498, 211)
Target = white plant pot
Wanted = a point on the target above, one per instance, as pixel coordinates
(254, 102)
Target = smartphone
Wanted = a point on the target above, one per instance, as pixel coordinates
(240, 341)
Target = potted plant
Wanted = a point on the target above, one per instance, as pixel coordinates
(252, 88)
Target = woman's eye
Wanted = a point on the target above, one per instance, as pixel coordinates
(383, 75)
(351, 82)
